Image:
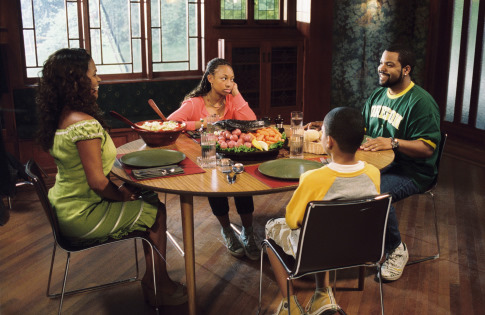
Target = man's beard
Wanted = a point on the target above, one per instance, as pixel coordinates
(390, 83)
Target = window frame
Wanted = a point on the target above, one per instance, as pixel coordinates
(147, 72)
(250, 21)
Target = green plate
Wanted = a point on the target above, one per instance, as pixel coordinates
(152, 158)
(289, 169)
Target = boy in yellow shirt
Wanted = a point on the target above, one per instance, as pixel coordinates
(343, 178)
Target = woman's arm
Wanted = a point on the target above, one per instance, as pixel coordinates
(190, 113)
(242, 111)
(90, 154)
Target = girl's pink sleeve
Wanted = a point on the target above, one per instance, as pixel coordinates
(186, 113)
(242, 111)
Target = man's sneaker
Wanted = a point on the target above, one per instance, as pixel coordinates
(393, 267)
(232, 242)
(322, 302)
(295, 307)
(249, 243)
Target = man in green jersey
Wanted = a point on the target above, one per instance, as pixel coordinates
(402, 116)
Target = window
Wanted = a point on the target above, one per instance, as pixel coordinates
(239, 11)
(303, 9)
(466, 83)
(126, 38)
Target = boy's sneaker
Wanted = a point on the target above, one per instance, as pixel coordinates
(322, 302)
(295, 307)
(249, 243)
(232, 242)
(393, 267)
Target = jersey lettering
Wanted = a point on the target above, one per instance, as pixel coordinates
(387, 114)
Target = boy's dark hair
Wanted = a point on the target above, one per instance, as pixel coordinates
(406, 55)
(346, 126)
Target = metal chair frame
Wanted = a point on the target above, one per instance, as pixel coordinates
(431, 192)
(35, 179)
(363, 223)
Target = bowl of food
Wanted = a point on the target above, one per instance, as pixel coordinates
(159, 133)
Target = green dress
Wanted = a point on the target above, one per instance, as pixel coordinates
(84, 216)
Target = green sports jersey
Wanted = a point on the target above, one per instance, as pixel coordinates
(411, 115)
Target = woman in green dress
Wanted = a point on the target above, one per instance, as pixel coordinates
(91, 208)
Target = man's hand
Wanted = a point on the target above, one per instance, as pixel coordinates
(412, 148)
(376, 144)
(317, 125)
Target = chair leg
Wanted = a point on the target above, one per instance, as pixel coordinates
(380, 288)
(49, 294)
(288, 294)
(64, 282)
(260, 279)
(432, 257)
(361, 278)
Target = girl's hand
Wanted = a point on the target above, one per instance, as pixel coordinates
(235, 91)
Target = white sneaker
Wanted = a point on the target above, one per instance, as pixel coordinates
(393, 267)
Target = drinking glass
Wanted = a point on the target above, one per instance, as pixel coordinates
(208, 146)
(210, 120)
(296, 119)
(296, 143)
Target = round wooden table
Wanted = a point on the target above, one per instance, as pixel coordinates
(211, 183)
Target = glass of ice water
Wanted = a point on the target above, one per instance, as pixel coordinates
(296, 143)
(296, 119)
(208, 146)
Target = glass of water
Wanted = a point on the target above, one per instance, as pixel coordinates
(208, 146)
(296, 143)
(296, 119)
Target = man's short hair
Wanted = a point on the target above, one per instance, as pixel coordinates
(346, 126)
(406, 55)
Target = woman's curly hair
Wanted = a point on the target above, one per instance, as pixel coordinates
(204, 85)
(64, 85)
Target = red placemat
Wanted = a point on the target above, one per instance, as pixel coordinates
(273, 182)
(187, 164)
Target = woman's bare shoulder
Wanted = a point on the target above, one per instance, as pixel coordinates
(73, 117)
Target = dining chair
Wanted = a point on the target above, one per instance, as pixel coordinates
(431, 193)
(34, 175)
(336, 235)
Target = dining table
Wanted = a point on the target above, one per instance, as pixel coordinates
(212, 183)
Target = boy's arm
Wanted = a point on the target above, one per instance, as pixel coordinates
(310, 188)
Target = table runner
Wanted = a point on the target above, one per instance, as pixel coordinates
(187, 164)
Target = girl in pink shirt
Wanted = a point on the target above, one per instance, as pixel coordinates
(217, 94)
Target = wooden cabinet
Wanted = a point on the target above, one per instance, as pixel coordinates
(269, 73)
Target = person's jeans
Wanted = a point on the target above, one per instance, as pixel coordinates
(400, 187)
(220, 205)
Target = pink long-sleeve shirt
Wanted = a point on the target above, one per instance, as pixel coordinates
(193, 109)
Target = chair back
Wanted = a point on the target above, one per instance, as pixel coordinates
(341, 234)
(441, 148)
(34, 174)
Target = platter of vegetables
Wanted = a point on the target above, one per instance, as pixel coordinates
(260, 144)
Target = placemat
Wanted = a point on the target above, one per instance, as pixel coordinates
(187, 164)
(274, 182)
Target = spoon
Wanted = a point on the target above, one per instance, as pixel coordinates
(237, 168)
(123, 119)
(156, 109)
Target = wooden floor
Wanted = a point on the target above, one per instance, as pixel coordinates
(453, 284)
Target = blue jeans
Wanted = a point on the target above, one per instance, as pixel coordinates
(400, 187)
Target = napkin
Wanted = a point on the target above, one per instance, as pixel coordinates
(157, 171)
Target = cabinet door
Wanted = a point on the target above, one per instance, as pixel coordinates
(268, 74)
(286, 72)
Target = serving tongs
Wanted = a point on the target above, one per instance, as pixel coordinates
(124, 119)
(156, 109)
